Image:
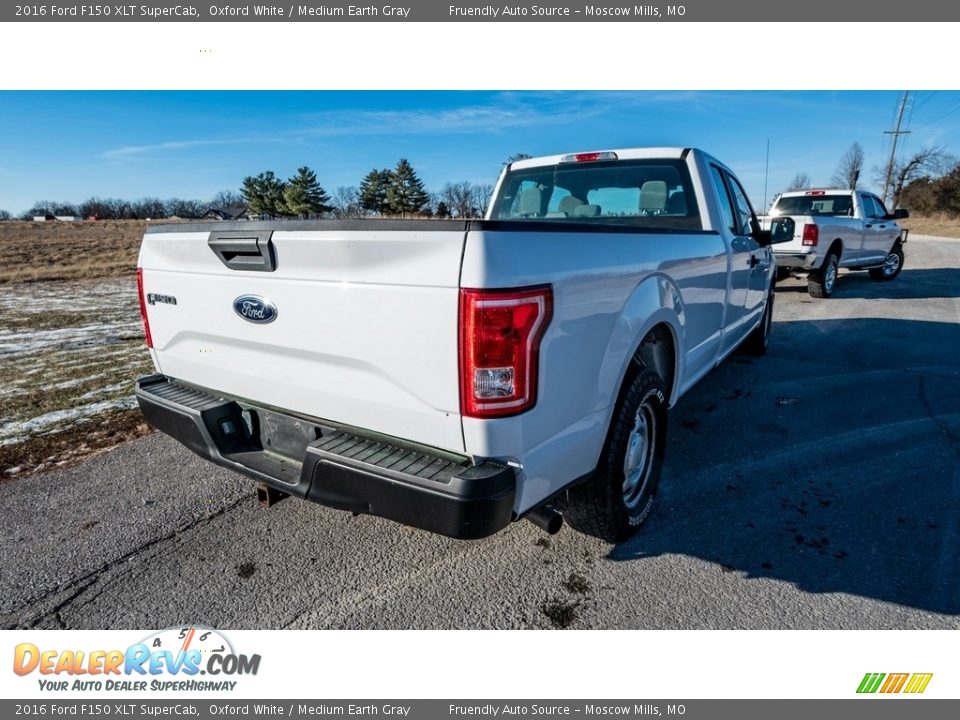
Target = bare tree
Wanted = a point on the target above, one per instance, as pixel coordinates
(932, 161)
(346, 203)
(847, 174)
(149, 209)
(801, 181)
(226, 199)
(4, 215)
(482, 193)
(459, 198)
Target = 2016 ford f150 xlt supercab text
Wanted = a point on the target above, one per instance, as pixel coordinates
(457, 375)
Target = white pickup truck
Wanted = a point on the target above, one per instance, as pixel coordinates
(820, 231)
(458, 375)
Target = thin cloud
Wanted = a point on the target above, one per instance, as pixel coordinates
(508, 115)
(133, 150)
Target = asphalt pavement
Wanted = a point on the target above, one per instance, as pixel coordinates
(815, 487)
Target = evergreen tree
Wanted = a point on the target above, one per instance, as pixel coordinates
(405, 194)
(264, 194)
(304, 196)
(442, 210)
(373, 191)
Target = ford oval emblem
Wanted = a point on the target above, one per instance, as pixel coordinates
(255, 309)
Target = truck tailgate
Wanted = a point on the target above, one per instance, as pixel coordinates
(365, 326)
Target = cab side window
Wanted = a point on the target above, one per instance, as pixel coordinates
(744, 213)
(723, 196)
(881, 210)
(869, 207)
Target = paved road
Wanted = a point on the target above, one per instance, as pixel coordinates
(817, 487)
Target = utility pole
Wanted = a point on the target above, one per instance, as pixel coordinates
(896, 133)
(766, 176)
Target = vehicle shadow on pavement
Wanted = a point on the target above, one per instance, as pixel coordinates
(911, 284)
(832, 463)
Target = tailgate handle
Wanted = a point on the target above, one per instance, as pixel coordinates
(252, 251)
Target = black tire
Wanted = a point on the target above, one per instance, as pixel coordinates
(891, 266)
(607, 506)
(821, 283)
(757, 342)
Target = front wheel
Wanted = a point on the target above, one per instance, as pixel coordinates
(891, 266)
(616, 500)
(820, 283)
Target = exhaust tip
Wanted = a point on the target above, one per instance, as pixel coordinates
(547, 519)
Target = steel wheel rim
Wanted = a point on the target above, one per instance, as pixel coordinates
(830, 276)
(638, 460)
(891, 264)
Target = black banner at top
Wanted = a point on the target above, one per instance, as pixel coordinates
(859, 11)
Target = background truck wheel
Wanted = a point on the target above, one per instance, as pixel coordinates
(757, 342)
(891, 266)
(820, 283)
(617, 499)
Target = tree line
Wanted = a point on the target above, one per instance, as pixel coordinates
(393, 192)
(926, 181)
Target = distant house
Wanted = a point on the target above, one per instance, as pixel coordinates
(237, 212)
(51, 218)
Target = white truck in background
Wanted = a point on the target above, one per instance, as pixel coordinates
(458, 375)
(820, 231)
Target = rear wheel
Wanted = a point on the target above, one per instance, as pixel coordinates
(617, 499)
(891, 266)
(821, 283)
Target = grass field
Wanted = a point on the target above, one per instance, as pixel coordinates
(31, 252)
(942, 225)
(71, 343)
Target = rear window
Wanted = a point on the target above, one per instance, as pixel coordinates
(644, 193)
(833, 205)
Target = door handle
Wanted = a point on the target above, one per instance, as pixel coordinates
(754, 261)
(869, 225)
(883, 227)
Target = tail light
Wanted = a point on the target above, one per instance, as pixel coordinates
(811, 234)
(500, 334)
(143, 308)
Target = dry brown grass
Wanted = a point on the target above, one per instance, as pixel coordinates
(71, 445)
(942, 225)
(31, 252)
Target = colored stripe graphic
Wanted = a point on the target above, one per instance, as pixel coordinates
(918, 682)
(870, 682)
(894, 683)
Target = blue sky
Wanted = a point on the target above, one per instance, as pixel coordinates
(73, 145)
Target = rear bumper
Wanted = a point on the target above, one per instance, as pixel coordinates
(340, 468)
(796, 260)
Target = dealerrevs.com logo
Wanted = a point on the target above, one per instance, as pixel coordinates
(170, 660)
(891, 683)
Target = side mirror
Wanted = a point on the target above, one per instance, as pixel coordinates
(900, 214)
(764, 238)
